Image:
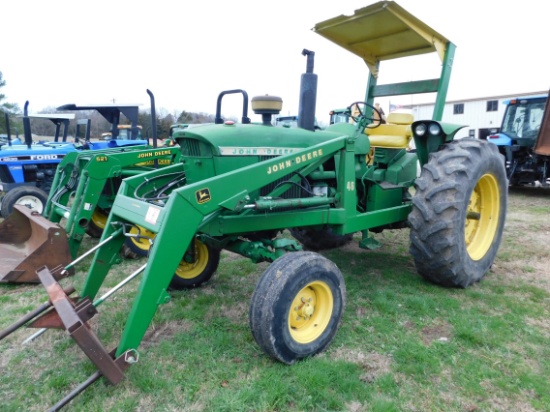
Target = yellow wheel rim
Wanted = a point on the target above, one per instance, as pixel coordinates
(141, 243)
(310, 312)
(482, 218)
(190, 270)
(99, 218)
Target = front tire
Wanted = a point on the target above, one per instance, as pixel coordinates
(197, 267)
(458, 213)
(29, 196)
(297, 306)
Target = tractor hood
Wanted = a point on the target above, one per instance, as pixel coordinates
(36, 152)
(233, 139)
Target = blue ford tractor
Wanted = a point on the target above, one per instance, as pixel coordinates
(27, 170)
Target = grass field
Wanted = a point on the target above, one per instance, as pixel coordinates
(404, 344)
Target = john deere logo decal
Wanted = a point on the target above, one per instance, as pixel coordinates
(202, 196)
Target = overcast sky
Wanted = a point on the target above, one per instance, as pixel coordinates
(92, 52)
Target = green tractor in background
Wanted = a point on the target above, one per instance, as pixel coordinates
(247, 182)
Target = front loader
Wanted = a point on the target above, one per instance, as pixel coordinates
(247, 182)
(86, 185)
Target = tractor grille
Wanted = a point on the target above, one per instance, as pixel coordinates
(190, 147)
(293, 192)
(5, 175)
(40, 174)
(262, 158)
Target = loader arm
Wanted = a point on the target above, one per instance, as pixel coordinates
(94, 170)
(186, 210)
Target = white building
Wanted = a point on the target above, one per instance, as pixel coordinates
(481, 116)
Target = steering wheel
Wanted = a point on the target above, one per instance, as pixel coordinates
(374, 121)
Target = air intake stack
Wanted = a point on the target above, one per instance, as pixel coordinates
(267, 106)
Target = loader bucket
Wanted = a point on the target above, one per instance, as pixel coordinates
(29, 241)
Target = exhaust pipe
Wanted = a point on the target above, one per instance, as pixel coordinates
(308, 94)
(27, 125)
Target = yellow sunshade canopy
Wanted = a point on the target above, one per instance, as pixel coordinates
(382, 31)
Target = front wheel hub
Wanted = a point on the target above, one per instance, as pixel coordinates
(310, 312)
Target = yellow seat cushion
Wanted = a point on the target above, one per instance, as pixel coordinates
(396, 133)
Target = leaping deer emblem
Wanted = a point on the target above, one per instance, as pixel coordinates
(202, 195)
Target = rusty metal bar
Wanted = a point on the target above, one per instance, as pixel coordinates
(79, 330)
(73, 316)
(83, 307)
(94, 350)
(73, 394)
(29, 316)
(123, 361)
(97, 302)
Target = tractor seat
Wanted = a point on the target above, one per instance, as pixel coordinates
(396, 133)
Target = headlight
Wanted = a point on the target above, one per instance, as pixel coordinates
(435, 129)
(420, 130)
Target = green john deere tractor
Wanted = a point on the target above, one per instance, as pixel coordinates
(245, 182)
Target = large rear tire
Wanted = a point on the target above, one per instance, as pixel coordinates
(197, 267)
(458, 213)
(297, 306)
(322, 239)
(29, 196)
